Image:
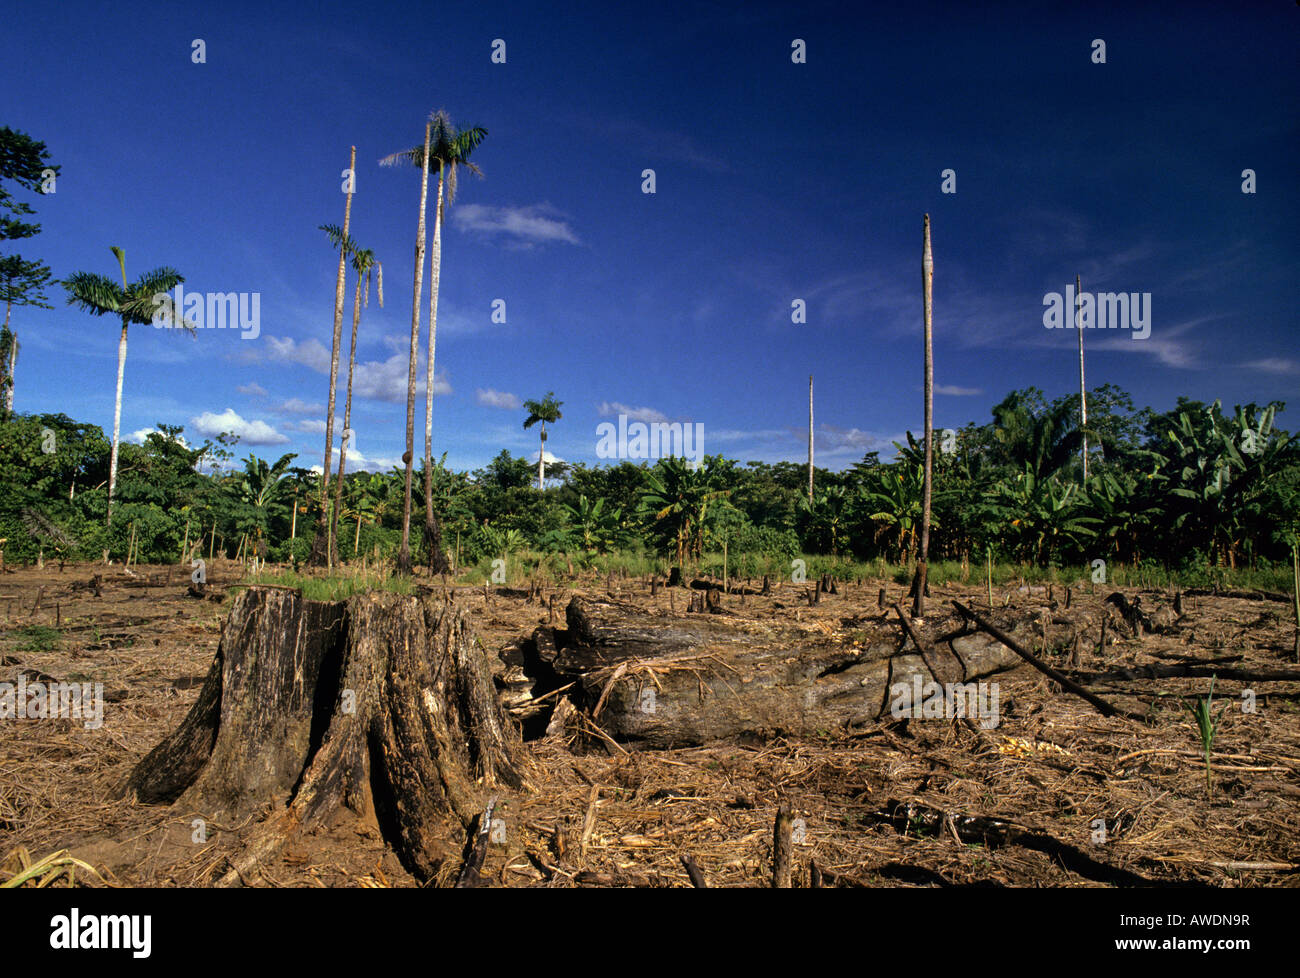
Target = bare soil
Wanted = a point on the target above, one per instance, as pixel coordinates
(895, 803)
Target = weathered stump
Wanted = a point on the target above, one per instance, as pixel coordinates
(381, 708)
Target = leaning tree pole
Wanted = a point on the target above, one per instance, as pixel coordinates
(927, 282)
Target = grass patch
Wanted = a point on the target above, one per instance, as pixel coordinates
(336, 587)
(38, 638)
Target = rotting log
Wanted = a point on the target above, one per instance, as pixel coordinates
(662, 682)
(380, 709)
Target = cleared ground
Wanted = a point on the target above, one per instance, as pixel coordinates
(906, 803)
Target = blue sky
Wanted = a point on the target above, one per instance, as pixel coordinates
(775, 181)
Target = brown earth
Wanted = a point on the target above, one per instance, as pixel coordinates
(893, 802)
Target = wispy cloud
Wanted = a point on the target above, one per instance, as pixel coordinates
(1274, 365)
(608, 409)
(1166, 345)
(497, 399)
(252, 390)
(297, 406)
(661, 144)
(525, 226)
(952, 390)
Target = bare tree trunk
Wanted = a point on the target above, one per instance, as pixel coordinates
(1083, 394)
(435, 275)
(810, 439)
(436, 559)
(323, 519)
(404, 554)
(347, 412)
(927, 282)
(117, 422)
(541, 459)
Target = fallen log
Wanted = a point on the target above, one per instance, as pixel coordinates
(1204, 592)
(380, 709)
(662, 682)
(1106, 709)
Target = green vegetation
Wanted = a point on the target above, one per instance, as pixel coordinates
(1207, 726)
(1183, 499)
(38, 638)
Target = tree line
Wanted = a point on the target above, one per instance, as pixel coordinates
(1193, 486)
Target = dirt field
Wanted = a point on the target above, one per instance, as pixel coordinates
(897, 803)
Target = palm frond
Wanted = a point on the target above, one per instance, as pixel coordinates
(93, 293)
(338, 238)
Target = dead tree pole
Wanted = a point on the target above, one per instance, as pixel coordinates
(927, 282)
(1083, 396)
(810, 439)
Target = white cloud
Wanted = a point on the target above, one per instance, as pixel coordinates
(953, 390)
(611, 408)
(381, 380)
(1275, 365)
(252, 390)
(297, 406)
(497, 399)
(139, 436)
(537, 223)
(249, 432)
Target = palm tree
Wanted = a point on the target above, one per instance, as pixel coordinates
(365, 265)
(451, 150)
(547, 411)
(338, 237)
(265, 486)
(404, 554)
(133, 304)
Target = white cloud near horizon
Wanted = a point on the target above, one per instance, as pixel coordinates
(249, 432)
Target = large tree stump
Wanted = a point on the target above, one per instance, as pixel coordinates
(381, 708)
(669, 682)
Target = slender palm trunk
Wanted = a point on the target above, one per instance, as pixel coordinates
(810, 439)
(339, 285)
(404, 554)
(432, 531)
(435, 274)
(541, 460)
(927, 282)
(347, 411)
(117, 421)
(1083, 396)
(8, 360)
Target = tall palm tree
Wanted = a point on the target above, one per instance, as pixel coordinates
(404, 553)
(322, 551)
(547, 411)
(365, 265)
(133, 304)
(450, 149)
